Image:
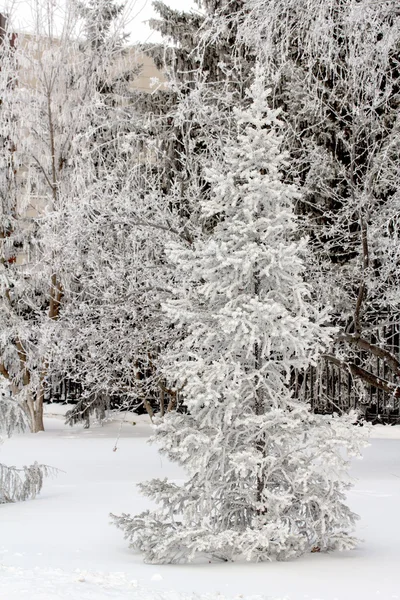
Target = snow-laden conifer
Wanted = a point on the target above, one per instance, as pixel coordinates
(266, 476)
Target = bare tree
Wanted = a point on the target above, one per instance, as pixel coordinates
(49, 85)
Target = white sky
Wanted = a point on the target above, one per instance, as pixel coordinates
(141, 10)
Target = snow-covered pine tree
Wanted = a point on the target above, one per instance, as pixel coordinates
(197, 47)
(199, 39)
(265, 474)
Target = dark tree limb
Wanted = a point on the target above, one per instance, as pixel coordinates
(377, 351)
(366, 376)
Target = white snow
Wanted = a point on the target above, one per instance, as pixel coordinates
(61, 546)
(386, 432)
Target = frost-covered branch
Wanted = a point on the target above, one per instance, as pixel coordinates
(18, 485)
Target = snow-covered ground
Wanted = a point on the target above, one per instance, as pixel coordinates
(61, 546)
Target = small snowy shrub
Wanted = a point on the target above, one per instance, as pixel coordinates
(267, 478)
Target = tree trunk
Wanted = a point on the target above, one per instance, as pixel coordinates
(38, 422)
(162, 402)
(259, 401)
(34, 410)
